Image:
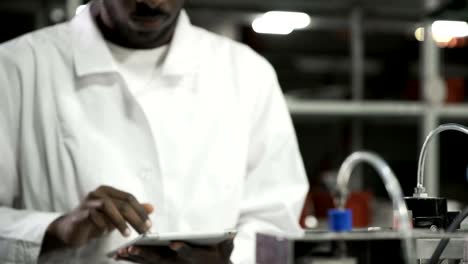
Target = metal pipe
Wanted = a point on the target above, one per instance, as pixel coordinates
(420, 191)
(433, 96)
(357, 81)
(393, 188)
(357, 54)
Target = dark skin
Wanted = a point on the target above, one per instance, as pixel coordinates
(102, 211)
(107, 209)
(134, 24)
(137, 24)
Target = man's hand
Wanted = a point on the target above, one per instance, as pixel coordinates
(103, 211)
(178, 253)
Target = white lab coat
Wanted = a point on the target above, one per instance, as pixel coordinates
(212, 147)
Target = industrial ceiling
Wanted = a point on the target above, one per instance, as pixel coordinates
(392, 8)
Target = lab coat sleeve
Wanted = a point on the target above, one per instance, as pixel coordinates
(276, 182)
(21, 231)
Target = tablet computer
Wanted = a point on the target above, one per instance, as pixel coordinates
(192, 238)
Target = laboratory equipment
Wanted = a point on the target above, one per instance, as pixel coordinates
(342, 242)
(383, 245)
(393, 189)
(436, 256)
(430, 212)
(436, 237)
(366, 246)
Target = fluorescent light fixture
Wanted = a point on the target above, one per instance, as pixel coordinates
(79, 9)
(453, 29)
(264, 26)
(443, 31)
(293, 19)
(280, 22)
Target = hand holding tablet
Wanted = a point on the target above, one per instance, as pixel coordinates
(193, 247)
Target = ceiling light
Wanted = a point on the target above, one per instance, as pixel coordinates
(443, 31)
(280, 22)
(419, 34)
(453, 29)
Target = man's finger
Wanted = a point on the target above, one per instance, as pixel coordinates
(132, 201)
(123, 252)
(110, 210)
(128, 212)
(145, 255)
(101, 221)
(97, 218)
(182, 249)
(149, 208)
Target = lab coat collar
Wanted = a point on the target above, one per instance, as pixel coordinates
(183, 55)
(91, 54)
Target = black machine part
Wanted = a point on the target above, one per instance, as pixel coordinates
(430, 212)
(456, 223)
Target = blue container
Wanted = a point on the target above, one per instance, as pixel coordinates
(340, 220)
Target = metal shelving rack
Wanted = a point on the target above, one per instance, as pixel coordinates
(430, 110)
(429, 113)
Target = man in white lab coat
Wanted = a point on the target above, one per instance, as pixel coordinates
(129, 119)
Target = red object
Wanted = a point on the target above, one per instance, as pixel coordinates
(359, 203)
(455, 90)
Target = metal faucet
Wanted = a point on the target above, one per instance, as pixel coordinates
(420, 191)
(393, 188)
